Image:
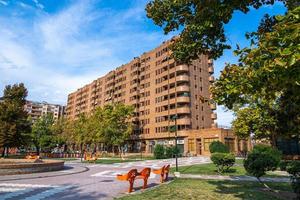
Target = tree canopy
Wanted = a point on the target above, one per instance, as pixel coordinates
(109, 125)
(14, 124)
(201, 23)
(41, 134)
(263, 88)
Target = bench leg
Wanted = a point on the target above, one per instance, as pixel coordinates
(145, 183)
(162, 178)
(130, 186)
(167, 176)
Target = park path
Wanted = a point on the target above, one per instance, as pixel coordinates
(97, 182)
(235, 178)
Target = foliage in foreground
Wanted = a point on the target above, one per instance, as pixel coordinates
(262, 159)
(293, 168)
(14, 123)
(223, 161)
(263, 88)
(201, 23)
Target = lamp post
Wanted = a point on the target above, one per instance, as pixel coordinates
(176, 154)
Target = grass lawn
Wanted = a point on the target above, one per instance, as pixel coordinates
(212, 190)
(210, 169)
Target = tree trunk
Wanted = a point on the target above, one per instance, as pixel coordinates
(81, 154)
(264, 184)
(3, 152)
(37, 150)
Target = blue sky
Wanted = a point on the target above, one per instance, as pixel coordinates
(57, 46)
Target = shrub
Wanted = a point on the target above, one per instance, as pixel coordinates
(262, 159)
(283, 164)
(218, 147)
(293, 168)
(171, 152)
(223, 161)
(159, 151)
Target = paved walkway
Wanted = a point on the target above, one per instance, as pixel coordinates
(82, 181)
(235, 178)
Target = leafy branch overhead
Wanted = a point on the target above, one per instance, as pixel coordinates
(263, 88)
(201, 23)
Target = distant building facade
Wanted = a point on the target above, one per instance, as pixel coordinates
(159, 88)
(37, 109)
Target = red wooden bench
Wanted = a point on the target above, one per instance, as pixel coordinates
(163, 172)
(144, 174)
(130, 176)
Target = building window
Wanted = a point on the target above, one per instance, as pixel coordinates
(191, 145)
(208, 141)
(229, 142)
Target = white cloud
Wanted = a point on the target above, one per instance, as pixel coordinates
(3, 2)
(54, 54)
(38, 4)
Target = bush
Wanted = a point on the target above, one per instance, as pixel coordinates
(283, 164)
(218, 147)
(159, 151)
(223, 161)
(262, 159)
(171, 152)
(293, 168)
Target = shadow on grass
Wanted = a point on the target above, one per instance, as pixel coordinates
(253, 190)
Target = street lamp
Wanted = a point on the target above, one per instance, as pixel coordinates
(174, 118)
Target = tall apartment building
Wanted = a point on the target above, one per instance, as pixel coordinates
(159, 88)
(38, 109)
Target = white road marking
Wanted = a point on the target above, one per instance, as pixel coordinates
(47, 193)
(24, 185)
(113, 174)
(16, 193)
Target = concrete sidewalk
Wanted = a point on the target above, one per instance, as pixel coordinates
(234, 178)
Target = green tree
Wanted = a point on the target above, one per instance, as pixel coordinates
(263, 88)
(117, 124)
(41, 134)
(261, 159)
(218, 147)
(79, 129)
(201, 23)
(58, 131)
(14, 126)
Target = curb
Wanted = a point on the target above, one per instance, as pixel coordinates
(46, 176)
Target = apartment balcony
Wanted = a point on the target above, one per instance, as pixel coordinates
(163, 123)
(211, 70)
(183, 99)
(182, 68)
(179, 100)
(184, 78)
(183, 88)
(136, 84)
(213, 106)
(211, 79)
(183, 110)
(214, 116)
(184, 121)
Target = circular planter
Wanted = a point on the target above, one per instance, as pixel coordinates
(25, 166)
